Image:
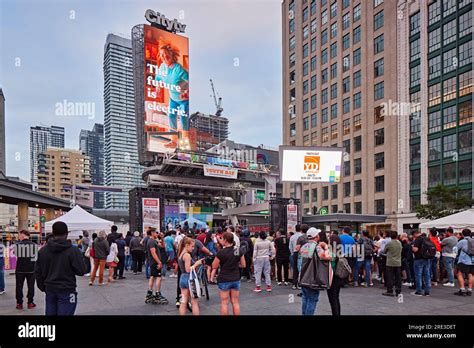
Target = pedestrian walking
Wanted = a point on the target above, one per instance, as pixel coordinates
(101, 249)
(393, 250)
(26, 254)
(282, 250)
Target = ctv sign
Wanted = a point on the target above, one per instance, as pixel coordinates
(161, 21)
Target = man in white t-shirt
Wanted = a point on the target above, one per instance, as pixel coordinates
(231, 229)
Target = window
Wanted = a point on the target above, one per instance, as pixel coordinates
(292, 26)
(357, 77)
(379, 183)
(292, 42)
(324, 135)
(292, 95)
(334, 70)
(378, 114)
(346, 21)
(358, 207)
(465, 171)
(346, 127)
(305, 69)
(434, 149)
(434, 122)
(333, 30)
(434, 12)
(465, 84)
(313, 26)
(378, 44)
(449, 117)
(357, 56)
(346, 105)
(333, 111)
(324, 56)
(314, 195)
(415, 23)
(334, 9)
(357, 100)
(434, 40)
(314, 137)
(449, 89)
(415, 75)
(334, 91)
(305, 14)
(434, 176)
(465, 24)
(305, 50)
(379, 206)
(346, 85)
(324, 96)
(314, 120)
(313, 7)
(325, 193)
(313, 44)
(305, 87)
(324, 76)
(346, 144)
(415, 179)
(324, 115)
(465, 113)
(313, 82)
(449, 145)
(357, 123)
(292, 59)
(306, 196)
(292, 129)
(305, 123)
(305, 105)
(379, 136)
(449, 173)
(378, 20)
(434, 67)
(449, 6)
(449, 61)
(333, 191)
(334, 208)
(334, 50)
(356, 13)
(347, 189)
(313, 63)
(415, 154)
(346, 42)
(358, 166)
(379, 159)
(324, 17)
(449, 32)
(414, 50)
(356, 35)
(324, 37)
(465, 53)
(346, 63)
(434, 94)
(415, 124)
(347, 168)
(358, 187)
(465, 142)
(313, 102)
(378, 68)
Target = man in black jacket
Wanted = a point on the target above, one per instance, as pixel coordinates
(56, 268)
(25, 252)
(113, 235)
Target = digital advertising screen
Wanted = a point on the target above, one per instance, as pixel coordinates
(310, 164)
(166, 91)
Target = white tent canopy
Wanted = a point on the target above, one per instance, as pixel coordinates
(77, 219)
(458, 221)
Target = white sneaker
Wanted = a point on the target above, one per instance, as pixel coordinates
(406, 284)
(449, 284)
(87, 275)
(173, 276)
(2, 292)
(279, 283)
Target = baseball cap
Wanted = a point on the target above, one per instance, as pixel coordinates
(312, 232)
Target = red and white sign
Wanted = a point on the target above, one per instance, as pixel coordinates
(291, 217)
(151, 213)
(220, 172)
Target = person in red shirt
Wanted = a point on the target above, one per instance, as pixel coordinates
(202, 235)
(435, 260)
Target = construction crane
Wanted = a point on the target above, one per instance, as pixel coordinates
(217, 102)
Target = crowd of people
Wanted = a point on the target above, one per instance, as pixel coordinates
(231, 254)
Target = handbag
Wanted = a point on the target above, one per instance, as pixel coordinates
(343, 269)
(88, 252)
(316, 274)
(194, 285)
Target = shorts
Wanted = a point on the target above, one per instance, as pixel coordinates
(463, 268)
(184, 281)
(226, 286)
(209, 260)
(155, 271)
(170, 255)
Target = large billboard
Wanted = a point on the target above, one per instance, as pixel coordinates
(150, 213)
(310, 164)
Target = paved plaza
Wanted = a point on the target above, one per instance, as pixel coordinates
(127, 297)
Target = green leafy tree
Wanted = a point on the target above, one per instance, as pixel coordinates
(443, 201)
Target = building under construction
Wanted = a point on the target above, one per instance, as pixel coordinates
(210, 130)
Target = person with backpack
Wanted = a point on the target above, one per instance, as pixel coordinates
(435, 260)
(367, 249)
(310, 296)
(137, 249)
(282, 257)
(465, 263)
(246, 248)
(423, 251)
(393, 267)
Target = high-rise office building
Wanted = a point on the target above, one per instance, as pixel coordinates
(3, 166)
(40, 139)
(91, 143)
(59, 169)
(120, 136)
(435, 80)
(339, 66)
(210, 130)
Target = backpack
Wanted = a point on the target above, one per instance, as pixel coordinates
(368, 247)
(470, 246)
(244, 247)
(316, 274)
(428, 249)
(343, 269)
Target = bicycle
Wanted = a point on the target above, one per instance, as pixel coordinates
(203, 281)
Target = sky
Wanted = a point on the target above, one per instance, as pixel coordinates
(51, 51)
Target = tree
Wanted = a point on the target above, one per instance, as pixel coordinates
(443, 201)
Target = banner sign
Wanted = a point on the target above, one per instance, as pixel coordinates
(291, 217)
(151, 213)
(220, 172)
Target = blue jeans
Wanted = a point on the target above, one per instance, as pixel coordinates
(422, 273)
(226, 286)
(310, 299)
(61, 303)
(2, 278)
(367, 267)
(181, 105)
(434, 269)
(449, 265)
(128, 262)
